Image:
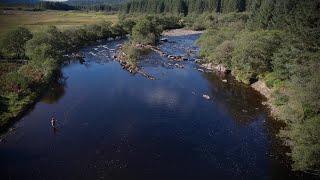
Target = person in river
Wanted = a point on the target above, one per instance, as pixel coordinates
(53, 122)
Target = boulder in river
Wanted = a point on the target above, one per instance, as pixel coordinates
(175, 58)
(207, 97)
(211, 66)
(164, 39)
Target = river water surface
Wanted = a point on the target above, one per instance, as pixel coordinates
(114, 125)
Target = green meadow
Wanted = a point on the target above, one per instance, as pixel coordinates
(35, 20)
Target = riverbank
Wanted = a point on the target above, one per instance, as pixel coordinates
(259, 86)
(181, 32)
(22, 87)
(119, 124)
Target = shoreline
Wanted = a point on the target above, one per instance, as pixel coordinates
(181, 32)
(259, 86)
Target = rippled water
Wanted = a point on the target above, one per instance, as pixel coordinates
(114, 125)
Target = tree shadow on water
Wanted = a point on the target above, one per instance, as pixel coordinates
(56, 91)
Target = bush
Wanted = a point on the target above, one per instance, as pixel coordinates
(169, 21)
(13, 43)
(209, 20)
(132, 53)
(223, 54)
(272, 81)
(49, 43)
(118, 30)
(306, 140)
(146, 31)
(253, 53)
(15, 82)
(213, 38)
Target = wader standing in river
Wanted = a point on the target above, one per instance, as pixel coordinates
(53, 122)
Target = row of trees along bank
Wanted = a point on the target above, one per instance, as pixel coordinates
(42, 53)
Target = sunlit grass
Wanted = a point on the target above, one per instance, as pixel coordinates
(62, 19)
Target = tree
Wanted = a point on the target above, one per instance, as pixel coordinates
(13, 43)
(146, 31)
(49, 43)
(253, 53)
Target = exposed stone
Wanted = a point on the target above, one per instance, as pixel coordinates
(211, 66)
(261, 87)
(206, 97)
(164, 39)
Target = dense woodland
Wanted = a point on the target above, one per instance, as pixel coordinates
(54, 6)
(187, 6)
(277, 42)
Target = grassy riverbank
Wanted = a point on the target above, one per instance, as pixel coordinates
(36, 20)
(32, 59)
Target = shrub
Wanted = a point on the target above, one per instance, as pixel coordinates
(13, 43)
(209, 20)
(253, 53)
(146, 31)
(212, 38)
(15, 82)
(272, 80)
(118, 30)
(306, 140)
(49, 43)
(132, 53)
(74, 39)
(127, 25)
(223, 54)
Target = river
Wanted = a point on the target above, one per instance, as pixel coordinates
(115, 125)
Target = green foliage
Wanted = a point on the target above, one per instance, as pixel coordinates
(306, 140)
(208, 20)
(49, 43)
(12, 43)
(253, 53)
(184, 7)
(280, 99)
(146, 31)
(132, 53)
(272, 80)
(127, 24)
(20, 87)
(212, 38)
(14, 82)
(223, 54)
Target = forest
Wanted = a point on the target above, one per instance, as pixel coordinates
(186, 7)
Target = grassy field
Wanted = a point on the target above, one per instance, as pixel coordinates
(62, 19)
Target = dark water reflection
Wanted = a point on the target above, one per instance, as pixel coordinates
(114, 125)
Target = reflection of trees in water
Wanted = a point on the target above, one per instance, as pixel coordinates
(242, 102)
(244, 105)
(56, 91)
(3, 105)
